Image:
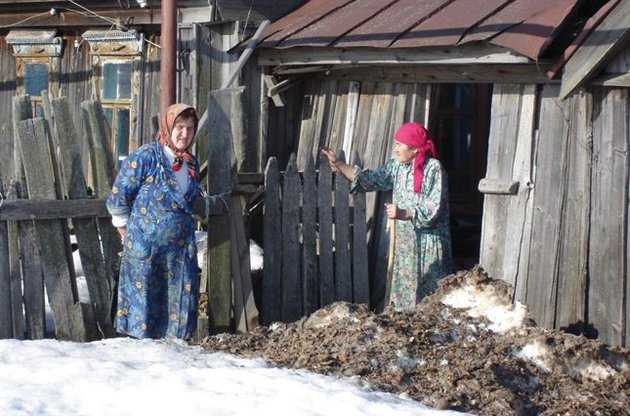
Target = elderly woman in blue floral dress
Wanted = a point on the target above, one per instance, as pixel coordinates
(419, 207)
(151, 205)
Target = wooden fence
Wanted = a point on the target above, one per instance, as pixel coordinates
(315, 242)
(47, 202)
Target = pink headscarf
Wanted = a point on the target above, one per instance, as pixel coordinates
(167, 123)
(416, 135)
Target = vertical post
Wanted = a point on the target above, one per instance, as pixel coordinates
(168, 53)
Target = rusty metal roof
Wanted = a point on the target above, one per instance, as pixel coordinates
(524, 26)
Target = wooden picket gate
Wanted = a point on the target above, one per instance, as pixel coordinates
(315, 242)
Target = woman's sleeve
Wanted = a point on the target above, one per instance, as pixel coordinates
(126, 186)
(379, 179)
(430, 201)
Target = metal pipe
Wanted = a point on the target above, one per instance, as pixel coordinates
(168, 53)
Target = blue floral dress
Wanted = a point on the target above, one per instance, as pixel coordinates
(158, 286)
(422, 245)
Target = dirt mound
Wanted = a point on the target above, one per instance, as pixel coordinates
(465, 348)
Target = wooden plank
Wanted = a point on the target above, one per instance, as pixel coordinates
(461, 54)
(603, 42)
(310, 284)
(498, 186)
(338, 124)
(219, 182)
(312, 124)
(291, 281)
(101, 154)
(360, 275)
(325, 221)
(60, 285)
(573, 262)
(33, 280)
(517, 243)
(551, 165)
(609, 204)
(272, 255)
(244, 277)
(343, 275)
(249, 49)
(103, 176)
(47, 209)
(6, 327)
(17, 314)
(85, 229)
(506, 107)
(526, 73)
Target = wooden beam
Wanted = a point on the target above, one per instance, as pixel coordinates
(30, 209)
(434, 55)
(481, 73)
(136, 17)
(613, 80)
(498, 186)
(607, 38)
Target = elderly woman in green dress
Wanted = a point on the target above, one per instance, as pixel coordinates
(419, 208)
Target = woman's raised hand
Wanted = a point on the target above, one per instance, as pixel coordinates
(331, 157)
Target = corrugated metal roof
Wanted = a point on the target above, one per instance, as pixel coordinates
(524, 26)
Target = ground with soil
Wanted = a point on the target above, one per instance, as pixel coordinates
(447, 357)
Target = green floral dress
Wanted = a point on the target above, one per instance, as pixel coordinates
(422, 245)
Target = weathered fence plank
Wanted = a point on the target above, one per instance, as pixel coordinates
(60, 284)
(33, 280)
(219, 157)
(272, 255)
(247, 316)
(103, 176)
(6, 321)
(291, 277)
(326, 264)
(310, 286)
(343, 272)
(85, 229)
(360, 275)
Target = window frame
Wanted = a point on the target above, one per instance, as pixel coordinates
(36, 46)
(117, 46)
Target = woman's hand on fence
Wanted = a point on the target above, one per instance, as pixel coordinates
(331, 157)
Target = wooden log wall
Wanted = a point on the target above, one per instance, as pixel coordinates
(319, 260)
(561, 239)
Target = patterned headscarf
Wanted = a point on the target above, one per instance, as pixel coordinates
(416, 135)
(167, 123)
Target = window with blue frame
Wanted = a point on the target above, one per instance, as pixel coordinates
(116, 94)
(35, 74)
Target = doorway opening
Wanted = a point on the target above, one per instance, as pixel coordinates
(459, 121)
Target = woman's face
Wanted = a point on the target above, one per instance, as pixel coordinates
(183, 133)
(404, 153)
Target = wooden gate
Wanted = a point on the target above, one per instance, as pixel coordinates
(315, 242)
